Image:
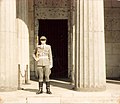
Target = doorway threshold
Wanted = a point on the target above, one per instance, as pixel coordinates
(113, 81)
(61, 79)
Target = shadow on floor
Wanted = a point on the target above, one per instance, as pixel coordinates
(31, 90)
(59, 82)
(62, 83)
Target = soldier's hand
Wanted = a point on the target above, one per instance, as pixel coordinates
(50, 66)
(36, 59)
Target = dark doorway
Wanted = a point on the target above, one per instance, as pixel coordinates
(56, 32)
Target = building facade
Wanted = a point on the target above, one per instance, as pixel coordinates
(84, 35)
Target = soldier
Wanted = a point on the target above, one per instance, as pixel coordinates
(43, 57)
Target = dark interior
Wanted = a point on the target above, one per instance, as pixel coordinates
(56, 32)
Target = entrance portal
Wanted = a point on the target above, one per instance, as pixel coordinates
(56, 32)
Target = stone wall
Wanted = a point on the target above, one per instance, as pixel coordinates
(51, 9)
(112, 35)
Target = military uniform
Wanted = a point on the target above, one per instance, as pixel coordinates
(43, 56)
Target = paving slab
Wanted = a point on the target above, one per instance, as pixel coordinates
(62, 93)
(44, 100)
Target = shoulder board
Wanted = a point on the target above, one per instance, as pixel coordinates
(48, 45)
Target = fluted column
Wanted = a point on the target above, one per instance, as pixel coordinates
(89, 46)
(8, 46)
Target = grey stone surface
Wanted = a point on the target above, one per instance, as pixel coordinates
(108, 3)
(113, 72)
(112, 37)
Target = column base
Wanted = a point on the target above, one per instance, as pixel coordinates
(90, 89)
(7, 89)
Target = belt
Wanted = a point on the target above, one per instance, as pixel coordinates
(43, 57)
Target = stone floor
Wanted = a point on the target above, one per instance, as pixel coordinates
(62, 94)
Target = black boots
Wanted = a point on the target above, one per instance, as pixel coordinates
(48, 88)
(40, 88)
(40, 91)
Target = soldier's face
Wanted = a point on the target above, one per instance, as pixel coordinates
(43, 41)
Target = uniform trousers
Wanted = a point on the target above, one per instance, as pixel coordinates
(43, 71)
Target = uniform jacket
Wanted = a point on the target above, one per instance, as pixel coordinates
(44, 54)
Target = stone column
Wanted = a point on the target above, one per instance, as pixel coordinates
(73, 41)
(89, 46)
(8, 46)
(31, 35)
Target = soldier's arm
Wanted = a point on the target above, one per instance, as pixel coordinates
(35, 53)
(50, 57)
